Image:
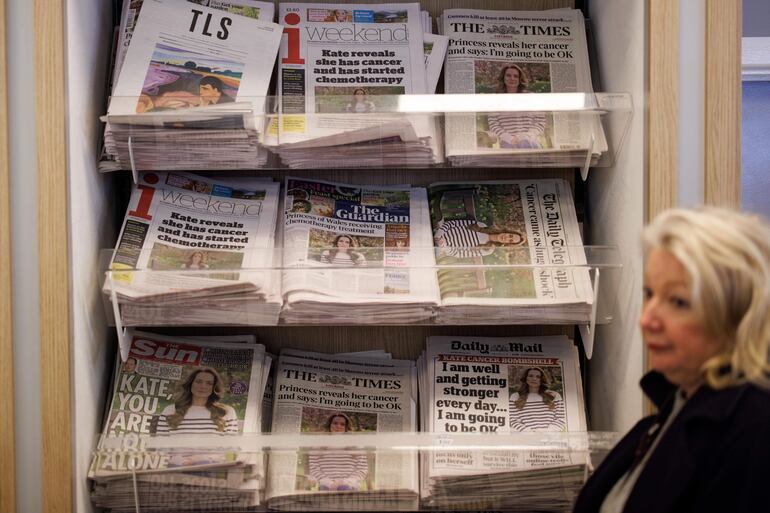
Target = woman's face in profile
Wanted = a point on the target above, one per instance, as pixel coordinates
(534, 378)
(203, 385)
(338, 425)
(672, 330)
(511, 79)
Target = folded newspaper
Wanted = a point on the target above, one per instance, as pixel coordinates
(341, 395)
(518, 52)
(198, 244)
(188, 388)
(509, 251)
(190, 93)
(356, 254)
(502, 386)
(342, 68)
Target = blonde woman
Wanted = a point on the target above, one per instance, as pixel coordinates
(533, 407)
(198, 408)
(706, 326)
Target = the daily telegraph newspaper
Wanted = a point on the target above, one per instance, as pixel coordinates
(338, 59)
(517, 52)
(264, 11)
(357, 248)
(503, 386)
(491, 237)
(186, 56)
(155, 392)
(339, 395)
(204, 229)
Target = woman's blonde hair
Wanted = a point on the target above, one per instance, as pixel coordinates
(727, 255)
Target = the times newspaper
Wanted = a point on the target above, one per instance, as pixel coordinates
(331, 52)
(498, 385)
(204, 228)
(490, 238)
(517, 52)
(156, 383)
(338, 394)
(357, 244)
(264, 11)
(189, 57)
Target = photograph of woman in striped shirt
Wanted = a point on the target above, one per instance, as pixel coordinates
(533, 407)
(468, 238)
(342, 254)
(198, 408)
(338, 471)
(515, 129)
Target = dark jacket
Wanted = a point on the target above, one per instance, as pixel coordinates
(714, 457)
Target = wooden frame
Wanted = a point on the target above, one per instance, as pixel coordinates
(722, 180)
(53, 244)
(7, 436)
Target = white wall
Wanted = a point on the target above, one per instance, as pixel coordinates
(24, 254)
(91, 224)
(616, 206)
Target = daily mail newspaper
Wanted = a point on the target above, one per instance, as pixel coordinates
(338, 59)
(335, 394)
(264, 11)
(357, 245)
(517, 52)
(498, 385)
(155, 392)
(185, 56)
(204, 228)
(491, 237)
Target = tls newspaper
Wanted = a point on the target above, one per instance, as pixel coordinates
(187, 56)
(205, 229)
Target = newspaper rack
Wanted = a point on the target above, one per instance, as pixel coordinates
(142, 471)
(405, 131)
(224, 292)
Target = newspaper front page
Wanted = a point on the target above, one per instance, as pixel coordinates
(357, 244)
(338, 394)
(188, 57)
(154, 392)
(517, 52)
(490, 238)
(499, 385)
(205, 228)
(343, 59)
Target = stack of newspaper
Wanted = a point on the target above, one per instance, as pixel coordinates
(519, 52)
(194, 250)
(189, 392)
(509, 251)
(192, 85)
(502, 386)
(356, 254)
(342, 395)
(342, 70)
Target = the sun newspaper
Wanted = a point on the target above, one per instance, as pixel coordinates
(156, 379)
(499, 386)
(491, 240)
(361, 248)
(518, 52)
(197, 233)
(338, 395)
(341, 71)
(188, 57)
